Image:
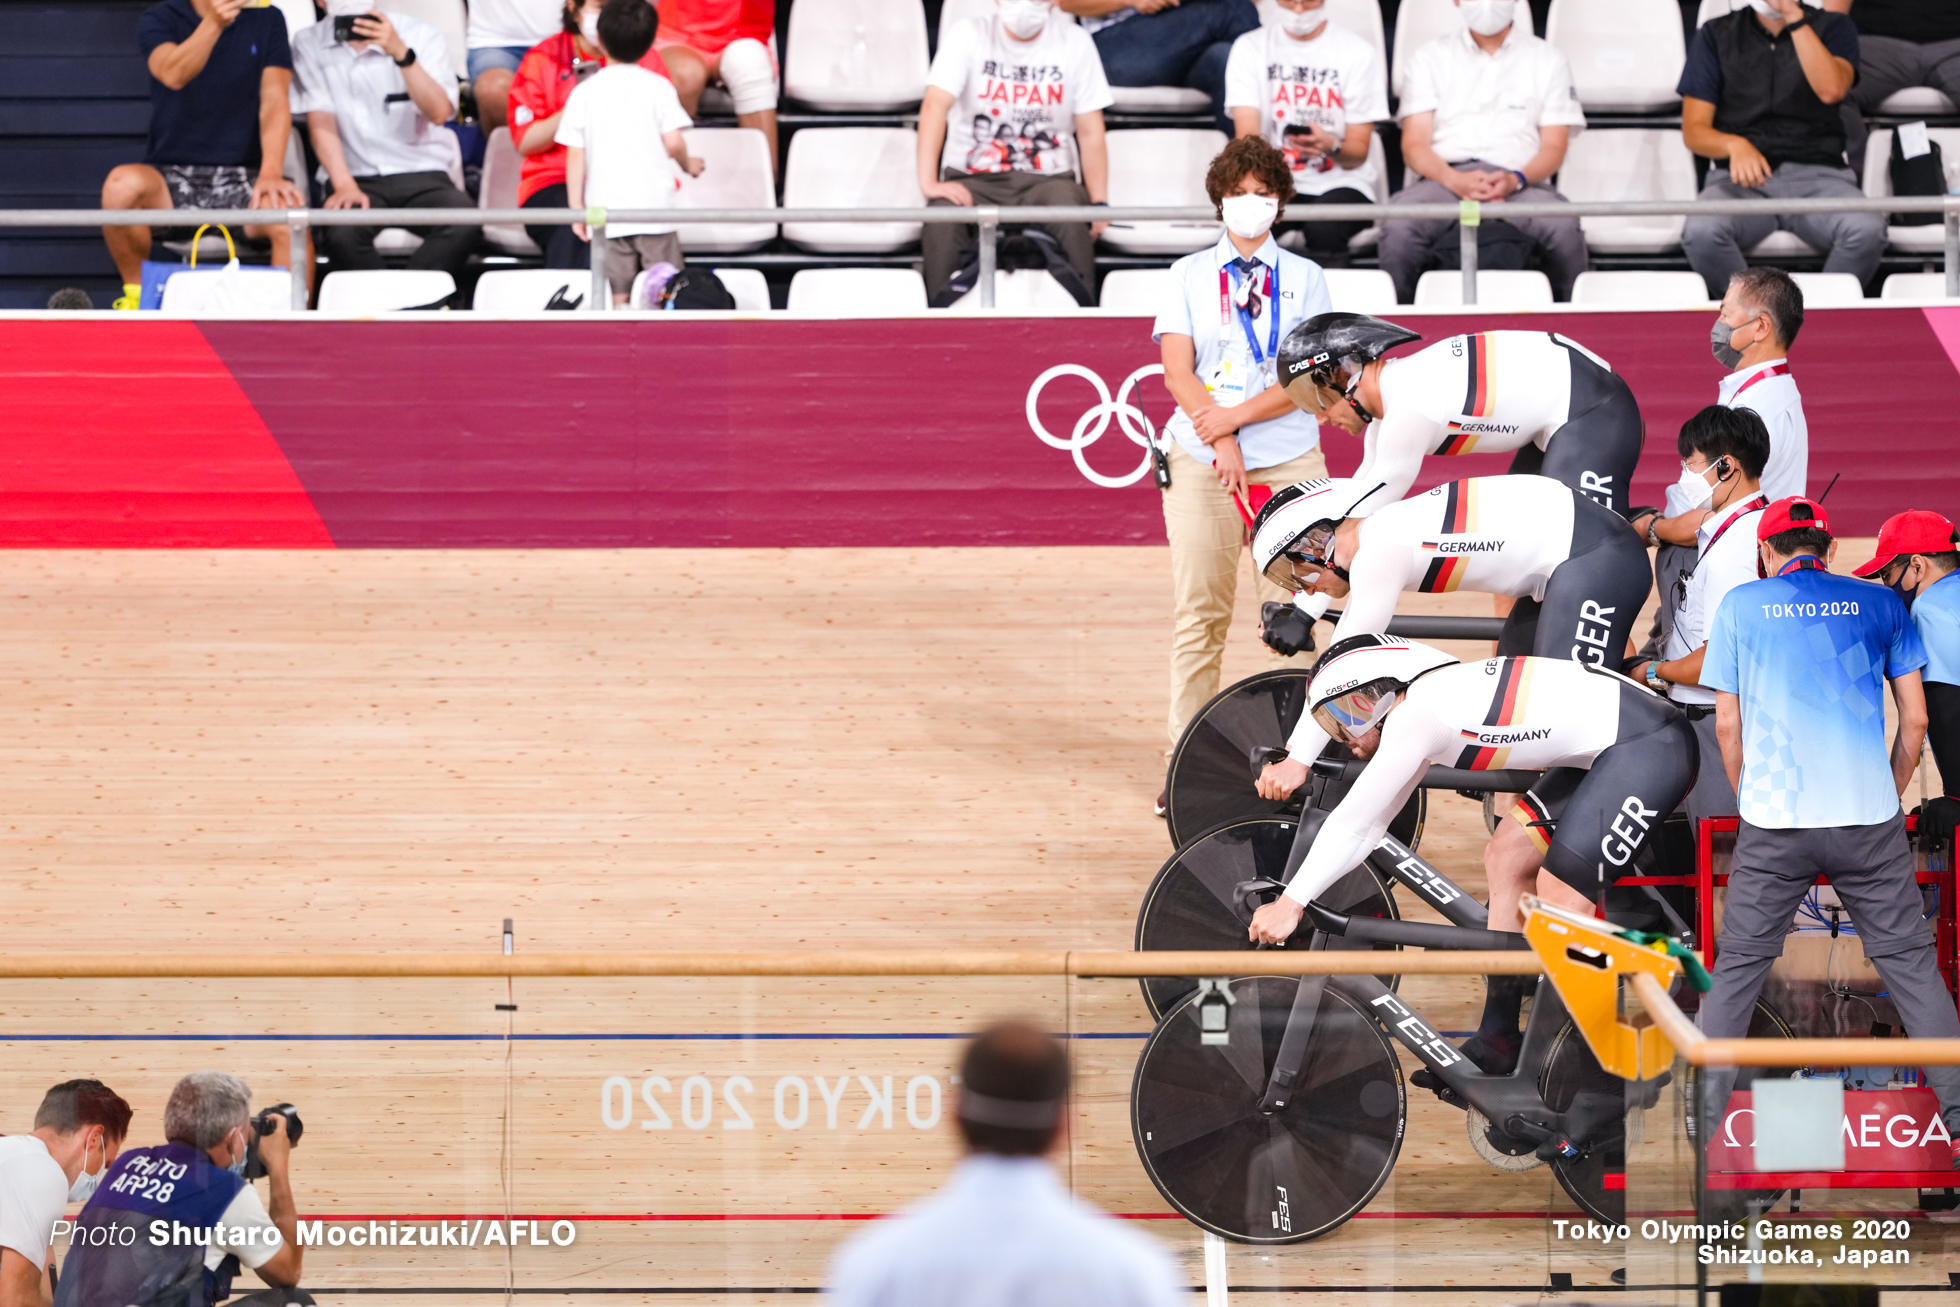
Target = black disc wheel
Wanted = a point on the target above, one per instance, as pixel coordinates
(1214, 765)
(1596, 1179)
(1254, 1178)
(1192, 903)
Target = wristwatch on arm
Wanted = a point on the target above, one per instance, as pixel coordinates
(406, 59)
(1654, 681)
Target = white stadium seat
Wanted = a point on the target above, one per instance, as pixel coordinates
(1782, 245)
(528, 290)
(1626, 55)
(1362, 17)
(856, 56)
(383, 290)
(1022, 290)
(857, 292)
(1136, 291)
(852, 168)
(1928, 238)
(747, 286)
(1651, 290)
(1917, 100)
(1161, 167)
(1829, 290)
(1499, 289)
(1360, 290)
(1636, 164)
(738, 175)
(1920, 286)
(1417, 23)
(498, 190)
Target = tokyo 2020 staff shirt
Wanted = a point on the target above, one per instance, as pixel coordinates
(1808, 654)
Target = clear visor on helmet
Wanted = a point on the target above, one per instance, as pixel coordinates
(1354, 714)
(1297, 567)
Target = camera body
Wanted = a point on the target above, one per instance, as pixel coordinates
(263, 1125)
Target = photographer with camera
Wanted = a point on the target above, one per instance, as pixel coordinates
(171, 1224)
(80, 1125)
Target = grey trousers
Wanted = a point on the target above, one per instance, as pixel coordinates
(1716, 245)
(1887, 64)
(1406, 245)
(1871, 867)
(943, 244)
(1670, 561)
(1712, 795)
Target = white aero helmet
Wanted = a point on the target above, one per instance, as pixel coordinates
(1285, 521)
(1357, 681)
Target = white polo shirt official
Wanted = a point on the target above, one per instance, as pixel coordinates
(381, 130)
(1191, 308)
(1770, 390)
(1491, 106)
(1726, 559)
(33, 1195)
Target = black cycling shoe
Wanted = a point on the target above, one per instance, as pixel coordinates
(1497, 1056)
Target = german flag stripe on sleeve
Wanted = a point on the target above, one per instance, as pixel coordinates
(1482, 381)
(1473, 376)
(1444, 575)
(1456, 441)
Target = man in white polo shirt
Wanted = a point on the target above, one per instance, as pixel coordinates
(1724, 448)
(375, 107)
(1760, 317)
(1486, 114)
(78, 1131)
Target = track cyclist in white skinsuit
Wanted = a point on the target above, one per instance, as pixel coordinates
(1578, 572)
(1563, 409)
(1619, 759)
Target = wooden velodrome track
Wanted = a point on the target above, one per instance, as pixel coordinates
(718, 749)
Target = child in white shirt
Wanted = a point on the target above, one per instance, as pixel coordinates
(624, 150)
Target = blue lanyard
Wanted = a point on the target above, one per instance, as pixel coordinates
(1272, 311)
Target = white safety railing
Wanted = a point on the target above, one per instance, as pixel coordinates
(986, 216)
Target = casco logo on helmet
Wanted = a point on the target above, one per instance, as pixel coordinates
(1342, 688)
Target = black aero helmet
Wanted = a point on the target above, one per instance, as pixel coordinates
(1316, 350)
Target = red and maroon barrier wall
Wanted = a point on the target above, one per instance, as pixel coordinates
(613, 432)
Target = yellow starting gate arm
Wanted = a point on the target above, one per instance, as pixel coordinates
(1585, 959)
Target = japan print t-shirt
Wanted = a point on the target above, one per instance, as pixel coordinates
(1015, 102)
(1329, 82)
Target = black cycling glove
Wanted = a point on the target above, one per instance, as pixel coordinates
(1937, 820)
(1285, 629)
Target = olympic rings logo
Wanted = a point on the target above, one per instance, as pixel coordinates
(1089, 428)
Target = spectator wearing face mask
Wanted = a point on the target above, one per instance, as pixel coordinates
(77, 1133)
(1315, 91)
(375, 107)
(1759, 96)
(1235, 434)
(544, 83)
(1168, 42)
(1486, 115)
(201, 1186)
(1013, 103)
(1919, 558)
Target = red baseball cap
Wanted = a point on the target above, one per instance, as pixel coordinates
(1915, 531)
(1786, 514)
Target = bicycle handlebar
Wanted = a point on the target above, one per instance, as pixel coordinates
(1438, 628)
(1509, 781)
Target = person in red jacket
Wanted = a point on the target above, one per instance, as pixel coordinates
(725, 41)
(538, 92)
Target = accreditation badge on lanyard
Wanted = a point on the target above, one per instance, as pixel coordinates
(1244, 368)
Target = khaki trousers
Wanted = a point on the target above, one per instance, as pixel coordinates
(1207, 538)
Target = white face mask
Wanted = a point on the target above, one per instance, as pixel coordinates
(84, 1187)
(588, 27)
(1250, 216)
(1695, 488)
(1024, 18)
(1487, 17)
(1764, 8)
(348, 8)
(1301, 25)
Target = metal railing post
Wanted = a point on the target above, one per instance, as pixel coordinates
(299, 259)
(989, 250)
(600, 296)
(1952, 217)
(1469, 216)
